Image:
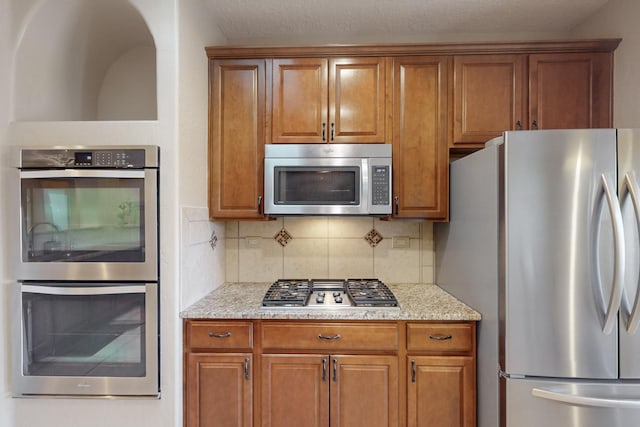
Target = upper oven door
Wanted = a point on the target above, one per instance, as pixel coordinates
(88, 225)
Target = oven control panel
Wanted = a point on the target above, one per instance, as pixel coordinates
(89, 157)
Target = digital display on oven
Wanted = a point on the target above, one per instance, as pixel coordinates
(83, 158)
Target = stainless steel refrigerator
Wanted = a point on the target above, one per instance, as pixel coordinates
(543, 242)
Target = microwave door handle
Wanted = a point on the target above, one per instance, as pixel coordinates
(89, 290)
(78, 173)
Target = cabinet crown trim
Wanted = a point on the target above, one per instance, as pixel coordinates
(555, 46)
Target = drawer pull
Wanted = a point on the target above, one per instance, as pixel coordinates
(334, 337)
(225, 335)
(440, 337)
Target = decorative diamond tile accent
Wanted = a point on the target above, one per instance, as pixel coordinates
(213, 241)
(283, 237)
(373, 237)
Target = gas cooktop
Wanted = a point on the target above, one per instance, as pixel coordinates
(329, 293)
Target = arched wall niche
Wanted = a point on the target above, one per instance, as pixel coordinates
(84, 60)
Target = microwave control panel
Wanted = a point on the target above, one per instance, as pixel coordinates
(380, 181)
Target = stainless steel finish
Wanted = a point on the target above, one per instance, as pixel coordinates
(329, 294)
(538, 245)
(98, 271)
(95, 386)
(467, 249)
(552, 187)
(534, 403)
(618, 256)
(361, 156)
(628, 170)
(63, 156)
(82, 173)
(81, 290)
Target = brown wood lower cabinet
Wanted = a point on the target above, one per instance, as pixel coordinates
(440, 390)
(329, 373)
(323, 390)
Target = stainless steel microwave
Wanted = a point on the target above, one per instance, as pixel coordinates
(327, 179)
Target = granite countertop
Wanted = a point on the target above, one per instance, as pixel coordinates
(416, 301)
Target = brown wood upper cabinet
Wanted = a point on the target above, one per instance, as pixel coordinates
(336, 100)
(420, 153)
(488, 97)
(495, 93)
(237, 105)
(570, 91)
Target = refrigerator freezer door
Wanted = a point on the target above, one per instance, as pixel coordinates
(560, 404)
(558, 267)
(629, 191)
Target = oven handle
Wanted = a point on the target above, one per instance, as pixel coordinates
(98, 290)
(82, 173)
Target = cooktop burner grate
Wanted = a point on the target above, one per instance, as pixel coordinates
(370, 292)
(329, 293)
(287, 293)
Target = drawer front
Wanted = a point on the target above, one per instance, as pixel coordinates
(443, 337)
(330, 336)
(221, 335)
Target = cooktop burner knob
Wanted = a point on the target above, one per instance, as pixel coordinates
(320, 299)
(338, 300)
(336, 294)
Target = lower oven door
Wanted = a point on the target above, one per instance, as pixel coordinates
(88, 339)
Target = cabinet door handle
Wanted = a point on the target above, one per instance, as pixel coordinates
(324, 131)
(214, 335)
(440, 337)
(396, 200)
(259, 205)
(518, 125)
(333, 130)
(246, 369)
(413, 371)
(324, 369)
(335, 370)
(333, 337)
(534, 125)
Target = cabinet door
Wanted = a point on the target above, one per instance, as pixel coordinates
(299, 112)
(441, 391)
(357, 100)
(364, 391)
(236, 138)
(420, 151)
(219, 390)
(488, 97)
(295, 390)
(570, 91)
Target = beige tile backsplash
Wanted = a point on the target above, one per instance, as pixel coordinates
(328, 247)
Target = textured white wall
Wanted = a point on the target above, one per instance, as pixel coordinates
(619, 18)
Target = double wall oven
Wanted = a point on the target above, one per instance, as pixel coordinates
(86, 305)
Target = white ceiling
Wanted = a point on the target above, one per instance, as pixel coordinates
(348, 21)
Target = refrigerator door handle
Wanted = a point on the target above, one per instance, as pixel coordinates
(592, 401)
(630, 187)
(618, 254)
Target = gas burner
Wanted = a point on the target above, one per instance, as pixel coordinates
(370, 293)
(287, 293)
(329, 293)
